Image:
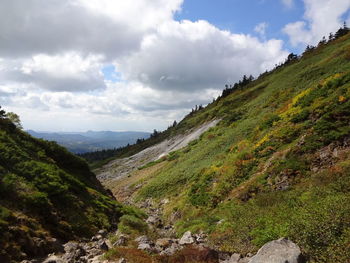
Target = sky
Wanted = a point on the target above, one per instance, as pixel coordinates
(77, 65)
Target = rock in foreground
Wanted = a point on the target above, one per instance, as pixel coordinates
(278, 251)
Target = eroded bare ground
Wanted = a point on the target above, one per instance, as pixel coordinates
(121, 168)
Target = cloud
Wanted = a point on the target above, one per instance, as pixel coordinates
(66, 72)
(321, 18)
(53, 53)
(104, 27)
(261, 29)
(190, 56)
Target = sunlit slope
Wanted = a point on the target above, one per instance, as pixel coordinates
(276, 165)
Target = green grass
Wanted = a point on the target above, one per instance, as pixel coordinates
(47, 191)
(269, 134)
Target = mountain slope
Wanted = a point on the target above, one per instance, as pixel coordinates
(46, 193)
(276, 165)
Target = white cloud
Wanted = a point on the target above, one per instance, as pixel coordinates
(321, 18)
(261, 29)
(105, 27)
(52, 54)
(191, 56)
(66, 72)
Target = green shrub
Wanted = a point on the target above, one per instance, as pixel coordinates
(300, 117)
(130, 224)
(270, 121)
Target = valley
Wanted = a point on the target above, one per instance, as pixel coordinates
(275, 166)
(259, 175)
(90, 141)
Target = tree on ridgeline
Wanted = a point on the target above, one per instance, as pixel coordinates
(322, 42)
(342, 31)
(14, 118)
(291, 57)
(2, 113)
(331, 37)
(229, 88)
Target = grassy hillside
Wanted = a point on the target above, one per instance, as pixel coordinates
(46, 192)
(276, 165)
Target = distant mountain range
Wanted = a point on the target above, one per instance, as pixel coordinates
(81, 142)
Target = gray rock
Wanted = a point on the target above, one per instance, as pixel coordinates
(171, 250)
(94, 252)
(145, 246)
(74, 252)
(102, 245)
(70, 246)
(109, 244)
(96, 259)
(278, 251)
(244, 260)
(153, 220)
(143, 239)
(122, 241)
(186, 238)
(97, 237)
(53, 259)
(122, 260)
(102, 232)
(235, 258)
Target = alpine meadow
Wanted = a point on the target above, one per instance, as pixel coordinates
(195, 131)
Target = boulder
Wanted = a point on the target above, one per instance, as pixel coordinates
(244, 260)
(74, 251)
(71, 246)
(109, 244)
(97, 237)
(143, 239)
(102, 232)
(187, 239)
(153, 220)
(227, 258)
(102, 244)
(278, 251)
(171, 250)
(121, 241)
(53, 259)
(235, 258)
(145, 247)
